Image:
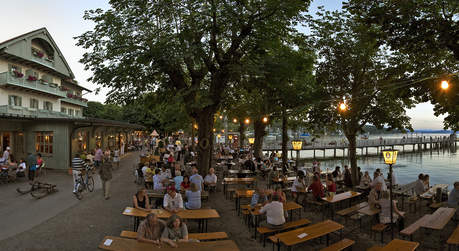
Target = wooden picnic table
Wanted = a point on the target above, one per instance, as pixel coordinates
(439, 218)
(397, 244)
(228, 181)
(242, 194)
(160, 194)
(431, 192)
(125, 244)
(317, 230)
(201, 215)
(369, 211)
(332, 200)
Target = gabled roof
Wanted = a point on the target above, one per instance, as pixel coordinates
(4, 45)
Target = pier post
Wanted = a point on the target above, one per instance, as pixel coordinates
(334, 152)
(366, 151)
(314, 153)
(324, 153)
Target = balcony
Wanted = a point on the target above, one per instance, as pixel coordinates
(75, 102)
(27, 112)
(6, 79)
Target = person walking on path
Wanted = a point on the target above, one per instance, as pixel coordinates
(98, 157)
(32, 164)
(105, 173)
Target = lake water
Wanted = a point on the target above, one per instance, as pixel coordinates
(442, 165)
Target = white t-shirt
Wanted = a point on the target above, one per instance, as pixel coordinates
(144, 170)
(21, 167)
(274, 213)
(210, 178)
(166, 174)
(298, 183)
(173, 203)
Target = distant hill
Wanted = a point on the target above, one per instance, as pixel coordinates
(433, 131)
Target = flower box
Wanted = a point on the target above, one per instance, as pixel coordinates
(18, 74)
(69, 95)
(31, 78)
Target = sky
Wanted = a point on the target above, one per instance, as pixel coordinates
(64, 20)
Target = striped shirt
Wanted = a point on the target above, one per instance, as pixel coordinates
(77, 163)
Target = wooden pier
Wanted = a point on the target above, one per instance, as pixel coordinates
(415, 143)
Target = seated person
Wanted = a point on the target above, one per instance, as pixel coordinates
(178, 179)
(337, 173)
(375, 196)
(148, 177)
(211, 178)
(317, 188)
(259, 197)
(196, 178)
(193, 196)
(150, 229)
(172, 200)
(158, 181)
(331, 185)
(274, 213)
(165, 173)
(140, 200)
(299, 187)
(185, 185)
(419, 187)
(20, 171)
(280, 193)
(379, 178)
(453, 197)
(384, 215)
(366, 180)
(175, 231)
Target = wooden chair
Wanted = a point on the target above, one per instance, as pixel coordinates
(340, 245)
(379, 228)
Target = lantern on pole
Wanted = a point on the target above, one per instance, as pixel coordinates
(297, 145)
(390, 157)
(251, 141)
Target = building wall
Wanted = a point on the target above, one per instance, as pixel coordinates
(59, 159)
(26, 96)
(4, 68)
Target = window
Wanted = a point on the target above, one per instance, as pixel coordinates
(63, 110)
(34, 103)
(14, 100)
(47, 106)
(70, 112)
(47, 78)
(77, 113)
(44, 142)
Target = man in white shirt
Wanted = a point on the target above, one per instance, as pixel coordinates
(274, 213)
(172, 200)
(210, 179)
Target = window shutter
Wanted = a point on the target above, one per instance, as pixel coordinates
(10, 100)
(19, 101)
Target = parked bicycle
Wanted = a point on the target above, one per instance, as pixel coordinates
(39, 190)
(85, 181)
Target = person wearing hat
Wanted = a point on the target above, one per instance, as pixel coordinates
(172, 200)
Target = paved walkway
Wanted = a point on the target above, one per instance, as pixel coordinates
(61, 222)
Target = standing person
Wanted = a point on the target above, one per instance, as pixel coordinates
(337, 173)
(32, 163)
(77, 165)
(123, 146)
(98, 157)
(196, 178)
(116, 158)
(39, 165)
(347, 177)
(6, 155)
(211, 179)
(105, 173)
(150, 229)
(375, 195)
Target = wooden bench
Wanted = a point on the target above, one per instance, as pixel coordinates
(263, 231)
(196, 236)
(340, 245)
(435, 206)
(351, 210)
(375, 248)
(411, 229)
(454, 238)
(379, 228)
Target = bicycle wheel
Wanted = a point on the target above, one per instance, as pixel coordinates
(40, 192)
(90, 184)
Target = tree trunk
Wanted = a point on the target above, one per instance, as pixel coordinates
(205, 120)
(259, 128)
(284, 138)
(241, 134)
(353, 157)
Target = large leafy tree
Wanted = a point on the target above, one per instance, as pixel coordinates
(353, 68)
(427, 33)
(191, 47)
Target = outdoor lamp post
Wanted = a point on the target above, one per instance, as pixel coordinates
(297, 145)
(390, 157)
(251, 141)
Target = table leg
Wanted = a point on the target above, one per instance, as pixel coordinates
(237, 202)
(328, 239)
(207, 222)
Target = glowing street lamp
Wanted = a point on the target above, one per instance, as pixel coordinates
(230, 137)
(251, 141)
(297, 146)
(444, 85)
(247, 121)
(265, 120)
(235, 120)
(390, 157)
(343, 107)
